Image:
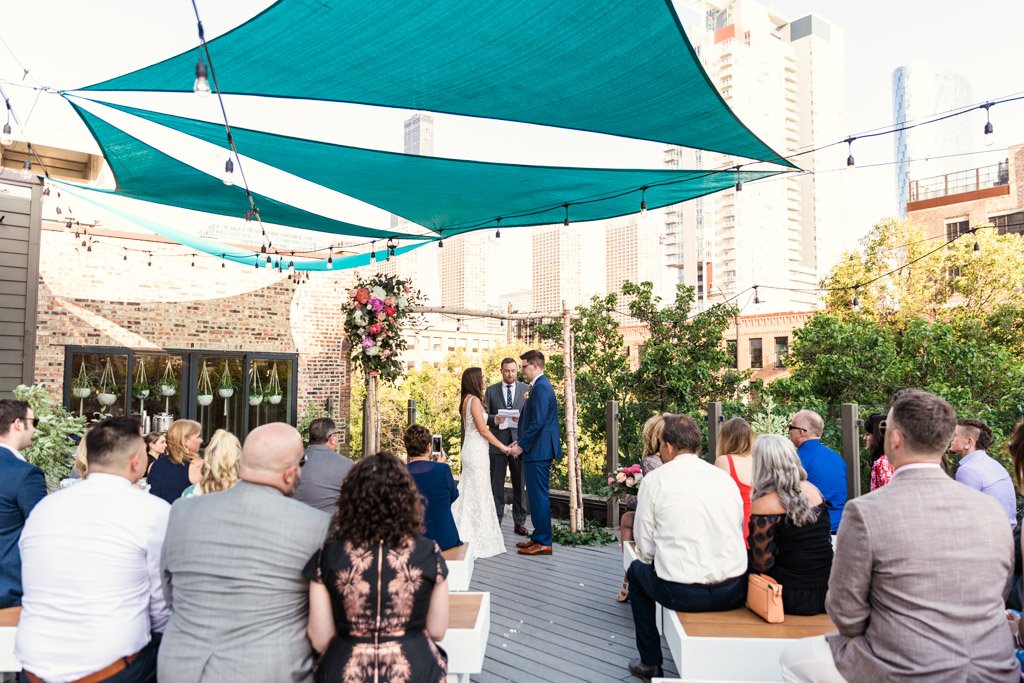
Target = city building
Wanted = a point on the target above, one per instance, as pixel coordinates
(919, 92)
(631, 253)
(433, 345)
(786, 81)
(557, 268)
(464, 267)
(951, 204)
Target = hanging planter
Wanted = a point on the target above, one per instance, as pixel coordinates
(168, 385)
(108, 389)
(273, 391)
(226, 384)
(204, 390)
(255, 388)
(140, 384)
(82, 384)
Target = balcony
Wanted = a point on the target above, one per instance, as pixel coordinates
(962, 186)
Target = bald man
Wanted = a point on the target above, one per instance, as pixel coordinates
(232, 572)
(825, 468)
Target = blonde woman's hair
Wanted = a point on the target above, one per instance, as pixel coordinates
(652, 434)
(81, 462)
(736, 438)
(220, 464)
(777, 468)
(176, 435)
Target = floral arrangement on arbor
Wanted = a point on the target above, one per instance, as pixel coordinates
(375, 311)
(623, 481)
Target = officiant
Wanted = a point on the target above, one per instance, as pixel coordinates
(503, 401)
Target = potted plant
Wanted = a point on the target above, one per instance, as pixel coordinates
(141, 388)
(273, 392)
(168, 384)
(226, 385)
(108, 388)
(82, 384)
(204, 390)
(255, 388)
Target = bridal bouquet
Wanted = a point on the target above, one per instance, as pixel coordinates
(623, 481)
(375, 310)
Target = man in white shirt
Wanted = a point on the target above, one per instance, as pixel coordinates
(93, 604)
(689, 541)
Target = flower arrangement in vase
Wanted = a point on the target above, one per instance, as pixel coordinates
(375, 311)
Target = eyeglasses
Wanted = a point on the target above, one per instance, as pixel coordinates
(792, 427)
(34, 420)
(301, 462)
(881, 428)
(331, 434)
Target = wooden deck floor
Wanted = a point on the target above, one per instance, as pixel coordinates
(555, 619)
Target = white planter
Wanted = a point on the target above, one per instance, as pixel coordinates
(167, 390)
(255, 400)
(275, 399)
(204, 399)
(107, 399)
(226, 393)
(143, 393)
(81, 392)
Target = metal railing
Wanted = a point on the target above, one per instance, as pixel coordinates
(970, 180)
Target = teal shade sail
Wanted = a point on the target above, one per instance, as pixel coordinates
(622, 67)
(213, 247)
(448, 196)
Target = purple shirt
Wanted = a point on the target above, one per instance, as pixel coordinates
(983, 473)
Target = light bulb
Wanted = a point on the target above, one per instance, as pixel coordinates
(6, 139)
(989, 134)
(202, 85)
(330, 262)
(229, 173)
(977, 250)
(643, 203)
(739, 186)
(26, 170)
(849, 161)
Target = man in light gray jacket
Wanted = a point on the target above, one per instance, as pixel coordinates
(921, 570)
(325, 468)
(232, 572)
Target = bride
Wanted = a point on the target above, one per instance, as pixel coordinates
(473, 510)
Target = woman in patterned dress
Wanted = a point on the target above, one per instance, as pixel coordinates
(378, 594)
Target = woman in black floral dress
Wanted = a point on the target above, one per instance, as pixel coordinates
(378, 594)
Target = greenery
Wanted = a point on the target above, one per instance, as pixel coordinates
(374, 312)
(591, 534)
(227, 380)
(312, 411)
(51, 448)
(83, 380)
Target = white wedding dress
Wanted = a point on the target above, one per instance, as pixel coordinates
(473, 510)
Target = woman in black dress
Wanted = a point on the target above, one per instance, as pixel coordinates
(378, 593)
(789, 535)
(181, 465)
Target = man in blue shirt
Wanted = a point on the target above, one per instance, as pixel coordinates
(825, 468)
(978, 469)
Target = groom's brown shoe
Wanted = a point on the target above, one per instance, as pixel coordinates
(525, 544)
(536, 549)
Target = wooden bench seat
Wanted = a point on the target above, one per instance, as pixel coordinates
(742, 623)
(460, 567)
(469, 622)
(9, 618)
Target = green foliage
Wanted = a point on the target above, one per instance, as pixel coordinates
(52, 448)
(771, 420)
(591, 534)
(312, 411)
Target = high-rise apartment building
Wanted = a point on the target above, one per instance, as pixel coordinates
(921, 91)
(464, 265)
(557, 268)
(631, 253)
(785, 81)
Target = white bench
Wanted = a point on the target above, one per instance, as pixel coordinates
(8, 627)
(460, 567)
(628, 555)
(736, 645)
(469, 622)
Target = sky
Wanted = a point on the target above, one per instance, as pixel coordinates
(68, 43)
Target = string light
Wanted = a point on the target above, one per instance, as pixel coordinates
(849, 148)
(497, 233)
(856, 301)
(989, 128)
(202, 85)
(739, 186)
(373, 252)
(6, 139)
(392, 244)
(193, 260)
(566, 222)
(268, 259)
(330, 261)
(643, 202)
(291, 266)
(757, 299)
(229, 173)
(26, 170)
(125, 257)
(248, 215)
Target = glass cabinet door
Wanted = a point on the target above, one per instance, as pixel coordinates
(270, 391)
(99, 383)
(161, 387)
(220, 394)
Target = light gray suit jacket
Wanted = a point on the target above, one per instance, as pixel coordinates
(321, 478)
(232, 572)
(921, 570)
(494, 400)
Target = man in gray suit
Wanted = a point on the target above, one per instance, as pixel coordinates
(325, 468)
(232, 572)
(508, 394)
(921, 570)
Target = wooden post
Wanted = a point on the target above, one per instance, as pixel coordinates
(412, 411)
(851, 424)
(508, 327)
(714, 426)
(367, 425)
(611, 456)
(575, 501)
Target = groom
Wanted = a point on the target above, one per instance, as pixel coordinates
(539, 443)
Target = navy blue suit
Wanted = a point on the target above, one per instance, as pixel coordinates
(541, 443)
(21, 486)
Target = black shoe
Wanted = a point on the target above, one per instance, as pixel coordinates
(644, 672)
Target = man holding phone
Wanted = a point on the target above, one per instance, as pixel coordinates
(507, 395)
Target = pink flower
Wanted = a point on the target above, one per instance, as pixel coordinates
(381, 315)
(358, 307)
(385, 353)
(376, 304)
(390, 311)
(389, 301)
(363, 295)
(351, 294)
(629, 481)
(611, 480)
(367, 343)
(620, 477)
(375, 329)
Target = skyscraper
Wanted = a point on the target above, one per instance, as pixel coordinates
(921, 91)
(785, 81)
(556, 268)
(464, 267)
(631, 253)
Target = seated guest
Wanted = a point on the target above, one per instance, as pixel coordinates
(688, 526)
(232, 572)
(22, 485)
(325, 468)
(978, 469)
(825, 468)
(156, 445)
(93, 606)
(921, 571)
(652, 444)
(379, 516)
(735, 443)
(80, 468)
(881, 470)
(181, 465)
(789, 527)
(436, 486)
(220, 465)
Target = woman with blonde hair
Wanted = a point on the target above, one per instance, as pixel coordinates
(651, 436)
(220, 465)
(790, 537)
(181, 465)
(735, 443)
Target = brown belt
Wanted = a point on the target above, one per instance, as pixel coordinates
(101, 675)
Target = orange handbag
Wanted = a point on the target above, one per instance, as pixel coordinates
(764, 598)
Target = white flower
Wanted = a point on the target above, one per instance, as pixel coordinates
(378, 293)
(358, 318)
(402, 302)
(372, 351)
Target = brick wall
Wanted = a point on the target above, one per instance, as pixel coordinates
(99, 299)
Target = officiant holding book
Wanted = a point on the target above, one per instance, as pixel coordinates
(508, 397)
